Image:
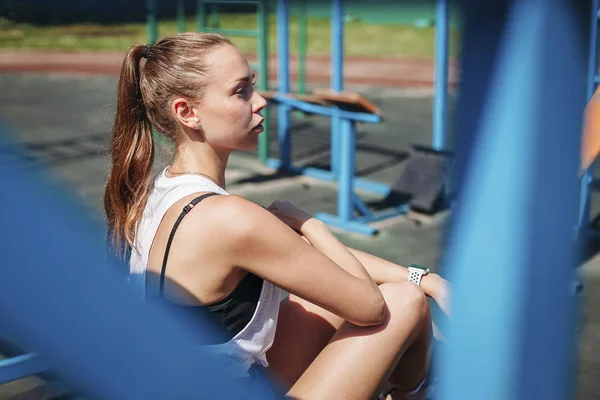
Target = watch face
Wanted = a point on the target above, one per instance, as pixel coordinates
(418, 266)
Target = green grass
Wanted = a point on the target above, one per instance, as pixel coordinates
(361, 38)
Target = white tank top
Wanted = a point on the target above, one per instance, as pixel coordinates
(250, 345)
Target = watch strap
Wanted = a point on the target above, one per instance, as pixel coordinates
(416, 273)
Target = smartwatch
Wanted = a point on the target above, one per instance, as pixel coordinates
(416, 273)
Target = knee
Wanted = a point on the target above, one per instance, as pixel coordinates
(405, 297)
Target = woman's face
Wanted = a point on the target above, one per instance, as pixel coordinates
(230, 109)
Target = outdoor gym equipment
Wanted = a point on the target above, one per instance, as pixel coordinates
(344, 109)
(423, 181)
(511, 334)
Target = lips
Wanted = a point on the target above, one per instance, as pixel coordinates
(258, 127)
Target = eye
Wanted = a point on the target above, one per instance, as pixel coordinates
(245, 89)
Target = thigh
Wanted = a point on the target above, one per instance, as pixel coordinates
(303, 330)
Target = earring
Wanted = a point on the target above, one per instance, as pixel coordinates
(198, 126)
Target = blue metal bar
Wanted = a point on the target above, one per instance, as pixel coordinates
(346, 172)
(337, 45)
(440, 105)
(360, 224)
(337, 75)
(366, 185)
(326, 110)
(361, 207)
(283, 78)
(379, 216)
(593, 80)
(347, 201)
(20, 367)
(584, 199)
(593, 50)
(511, 334)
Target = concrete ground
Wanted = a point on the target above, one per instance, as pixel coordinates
(62, 124)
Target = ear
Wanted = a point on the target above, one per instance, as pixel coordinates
(184, 112)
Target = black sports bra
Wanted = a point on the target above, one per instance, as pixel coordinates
(235, 311)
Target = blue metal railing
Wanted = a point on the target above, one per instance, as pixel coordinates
(588, 182)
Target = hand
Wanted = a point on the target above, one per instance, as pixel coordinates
(441, 293)
(289, 214)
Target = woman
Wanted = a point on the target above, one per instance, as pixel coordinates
(352, 322)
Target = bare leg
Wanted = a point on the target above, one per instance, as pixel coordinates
(357, 360)
(303, 331)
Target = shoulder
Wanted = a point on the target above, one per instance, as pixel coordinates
(228, 216)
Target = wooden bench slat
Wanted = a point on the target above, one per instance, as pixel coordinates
(349, 101)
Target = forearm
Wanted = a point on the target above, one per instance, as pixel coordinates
(323, 240)
(383, 271)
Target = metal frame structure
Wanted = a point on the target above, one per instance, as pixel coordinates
(510, 251)
(343, 133)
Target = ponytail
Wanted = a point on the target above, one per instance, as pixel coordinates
(132, 155)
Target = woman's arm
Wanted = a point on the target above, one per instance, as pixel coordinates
(321, 238)
(254, 239)
(379, 270)
(383, 271)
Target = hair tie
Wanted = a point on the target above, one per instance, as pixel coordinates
(146, 51)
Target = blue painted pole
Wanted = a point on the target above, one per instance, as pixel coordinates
(346, 172)
(283, 84)
(510, 253)
(440, 105)
(584, 190)
(593, 50)
(337, 76)
(337, 48)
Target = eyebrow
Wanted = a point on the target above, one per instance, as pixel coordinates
(246, 78)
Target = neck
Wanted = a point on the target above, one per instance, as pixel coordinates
(201, 159)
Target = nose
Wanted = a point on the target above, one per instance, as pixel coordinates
(259, 102)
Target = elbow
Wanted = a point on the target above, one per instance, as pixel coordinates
(377, 311)
(380, 308)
